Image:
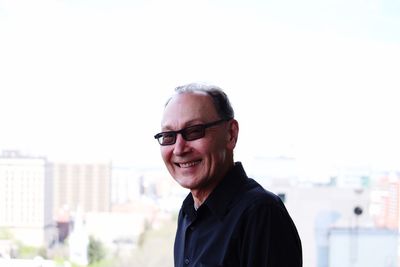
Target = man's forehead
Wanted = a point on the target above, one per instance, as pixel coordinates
(191, 101)
(186, 107)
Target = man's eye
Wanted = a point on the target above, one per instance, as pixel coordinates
(168, 136)
(195, 131)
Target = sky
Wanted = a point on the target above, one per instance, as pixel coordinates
(314, 80)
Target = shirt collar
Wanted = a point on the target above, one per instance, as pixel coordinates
(219, 200)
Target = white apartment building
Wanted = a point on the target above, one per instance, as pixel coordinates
(25, 198)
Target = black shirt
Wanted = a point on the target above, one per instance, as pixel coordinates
(239, 224)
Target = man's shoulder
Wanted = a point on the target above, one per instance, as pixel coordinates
(244, 187)
(253, 194)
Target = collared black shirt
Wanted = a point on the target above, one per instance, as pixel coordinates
(239, 224)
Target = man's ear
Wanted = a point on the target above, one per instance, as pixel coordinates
(233, 133)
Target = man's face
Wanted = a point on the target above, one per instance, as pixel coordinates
(197, 164)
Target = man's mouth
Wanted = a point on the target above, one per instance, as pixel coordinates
(188, 164)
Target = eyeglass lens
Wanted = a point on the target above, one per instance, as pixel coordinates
(189, 134)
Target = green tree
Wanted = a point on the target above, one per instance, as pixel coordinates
(96, 250)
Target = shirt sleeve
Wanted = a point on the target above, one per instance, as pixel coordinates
(269, 238)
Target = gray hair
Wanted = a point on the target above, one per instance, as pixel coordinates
(219, 98)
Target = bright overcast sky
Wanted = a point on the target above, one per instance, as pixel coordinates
(317, 80)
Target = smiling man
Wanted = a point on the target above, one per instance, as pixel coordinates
(227, 219)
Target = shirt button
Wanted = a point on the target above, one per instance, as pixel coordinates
(187, 261)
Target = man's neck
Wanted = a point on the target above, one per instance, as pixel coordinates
(200, 195)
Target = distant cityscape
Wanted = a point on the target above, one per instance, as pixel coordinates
(61, 207)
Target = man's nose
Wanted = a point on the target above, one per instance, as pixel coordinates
(180, 146)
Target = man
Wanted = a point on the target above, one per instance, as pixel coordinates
(227, 219)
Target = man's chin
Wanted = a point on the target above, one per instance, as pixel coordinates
(185, 182)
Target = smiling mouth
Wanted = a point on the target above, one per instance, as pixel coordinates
(188, 164)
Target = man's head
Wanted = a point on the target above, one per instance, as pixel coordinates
(198, 157)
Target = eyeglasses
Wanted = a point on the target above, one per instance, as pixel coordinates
(189, 133)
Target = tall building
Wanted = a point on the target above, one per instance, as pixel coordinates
(83, 185)
(125, 185)
(26, 197)
(386, 201)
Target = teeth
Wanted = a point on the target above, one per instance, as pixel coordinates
(188, 164)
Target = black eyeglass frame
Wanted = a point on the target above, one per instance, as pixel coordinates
(183, 132)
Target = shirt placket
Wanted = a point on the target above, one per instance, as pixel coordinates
(189, 249)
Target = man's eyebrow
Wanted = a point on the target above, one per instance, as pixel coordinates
(167, 128)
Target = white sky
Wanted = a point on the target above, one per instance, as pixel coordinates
(318, 80)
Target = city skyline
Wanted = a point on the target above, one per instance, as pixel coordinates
(145, 199)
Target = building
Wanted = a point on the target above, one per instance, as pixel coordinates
(26, 197)
(130, 226)
(125, 185)
(315, 209)
(385, 198)
(362, 247)
(79, 241)
(84, 185)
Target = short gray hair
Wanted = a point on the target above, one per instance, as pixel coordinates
(219, 97)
